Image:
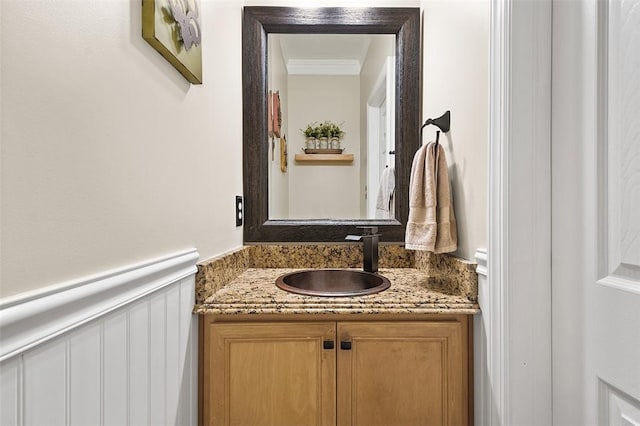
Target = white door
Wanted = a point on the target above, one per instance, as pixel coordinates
(596, 212)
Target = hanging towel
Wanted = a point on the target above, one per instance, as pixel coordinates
(386, 188)
(431, 225)
(447, 235)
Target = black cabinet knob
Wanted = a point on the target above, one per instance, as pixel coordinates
(345, 345)
(328, 344)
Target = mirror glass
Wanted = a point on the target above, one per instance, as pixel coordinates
(347, 80)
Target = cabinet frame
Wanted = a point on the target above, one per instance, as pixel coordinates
(465, 324)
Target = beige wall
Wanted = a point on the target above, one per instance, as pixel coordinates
(109, 156)
(321, 190)
(456, 77)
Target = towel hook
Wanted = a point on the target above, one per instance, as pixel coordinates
(443, 123)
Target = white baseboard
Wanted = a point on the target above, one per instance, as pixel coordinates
(117, 349)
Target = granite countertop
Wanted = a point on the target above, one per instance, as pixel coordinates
(412, 291)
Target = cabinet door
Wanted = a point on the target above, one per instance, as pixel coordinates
(413, 373)
(269, 374)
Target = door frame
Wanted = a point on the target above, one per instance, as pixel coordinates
(516, 313)
(383, 90)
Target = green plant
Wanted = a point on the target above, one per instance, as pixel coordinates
(326, 129)
(311, 131)
(335, 131)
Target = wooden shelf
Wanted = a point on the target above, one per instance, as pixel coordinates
(342, 158)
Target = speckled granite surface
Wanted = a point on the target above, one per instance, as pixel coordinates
(243, 281)
(412, 291)
(327, 256)
(458, 275)
(213, 274)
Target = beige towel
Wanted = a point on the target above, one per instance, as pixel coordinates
(386, 189)
(432, 224)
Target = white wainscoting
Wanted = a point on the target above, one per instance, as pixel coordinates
(118, 349)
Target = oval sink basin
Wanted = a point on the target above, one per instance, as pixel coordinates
(332, 282)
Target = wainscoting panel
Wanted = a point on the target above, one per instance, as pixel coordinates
(172, 355)
(132, 365)
(84, 376)
(10, 395)
(139, 349)
(188, 376)
(115, 369)
(157, 355)
(45, 384)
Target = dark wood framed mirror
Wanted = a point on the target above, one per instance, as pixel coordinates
(258, 23)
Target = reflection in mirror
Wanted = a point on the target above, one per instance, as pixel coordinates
(347, 79)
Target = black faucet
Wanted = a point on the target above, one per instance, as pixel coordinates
(369, 240)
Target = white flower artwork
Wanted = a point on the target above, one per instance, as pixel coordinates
(186, 15)
(174, 29)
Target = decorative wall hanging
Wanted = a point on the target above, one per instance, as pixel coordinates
(270, 122)
(274, 120)
(277, 114)
(172, 27)
(283, 154)
(270, 114)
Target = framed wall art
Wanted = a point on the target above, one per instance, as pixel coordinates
(173, 28)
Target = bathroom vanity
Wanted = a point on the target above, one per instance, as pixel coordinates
(338, 370)
(401, 356)
(269, 356)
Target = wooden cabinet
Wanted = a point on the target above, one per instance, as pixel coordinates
(269, 374)
(343, 372)
(403, 373)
